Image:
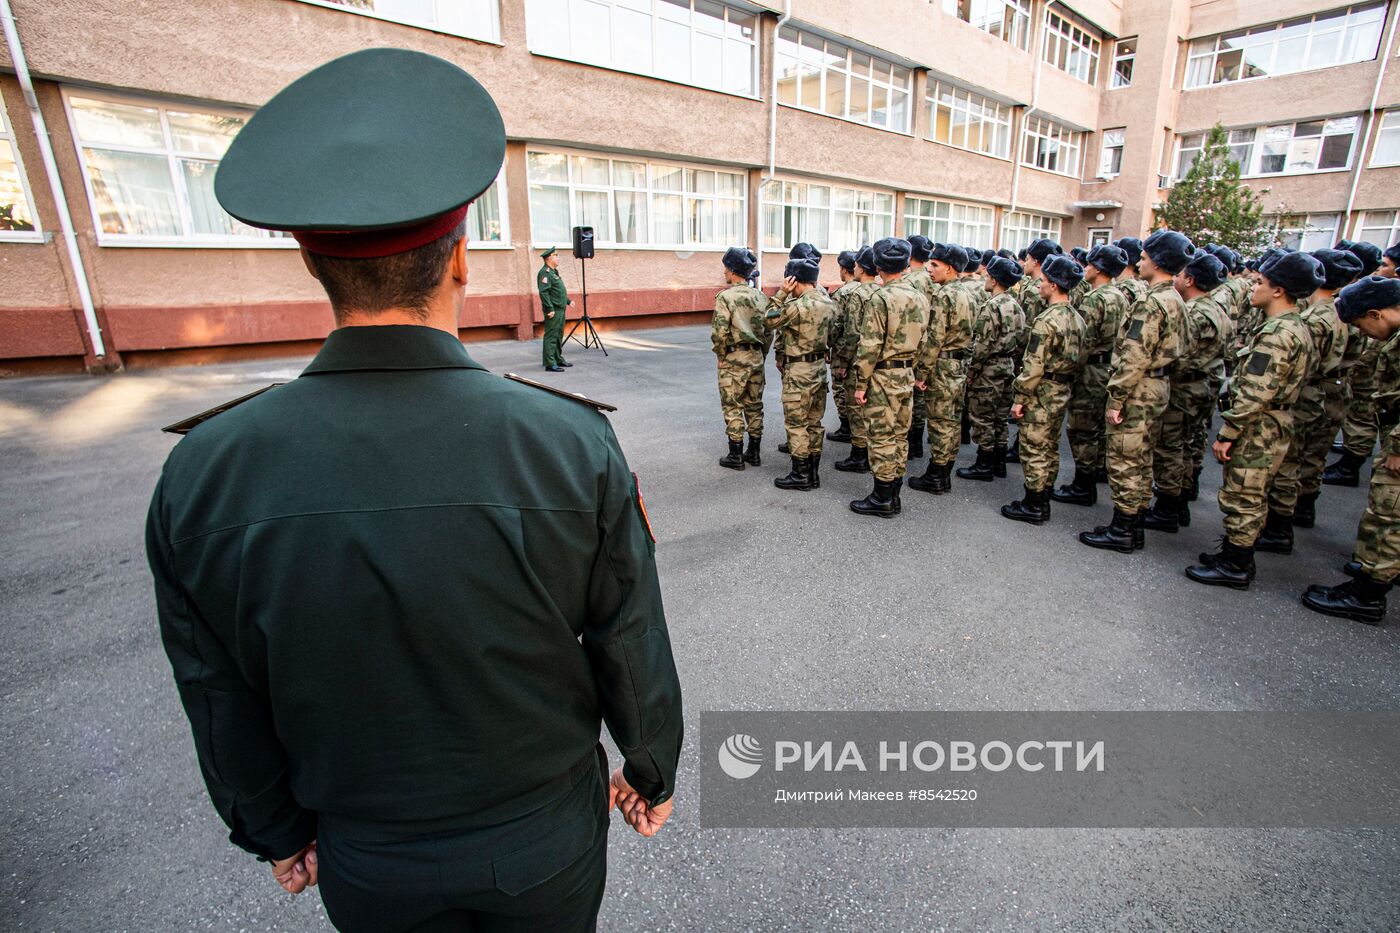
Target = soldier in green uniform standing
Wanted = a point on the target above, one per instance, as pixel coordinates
(802, 326)
(997, 337)
(1373, 306)
(555, 301)
(1130, 281)
(1359, 425)
(1028, 297)
(893, 330)
(1149, 343)
(387, 695)
(740, 341)
(843, 357)
(1048, 372)
(1101, 308)
(1255, 432)
(920, 249)
(942, 366)
(843, 296)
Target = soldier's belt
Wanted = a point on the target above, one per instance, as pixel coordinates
(895, 364)
(1329, 379)
(736, 347)
(1063, 379)
(953, 355)
(1002, 356)
(805, 358)
(1190, 375)
(1096, 359)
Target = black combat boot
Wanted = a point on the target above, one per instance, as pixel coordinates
(1081, 491)
(783, 448)
(1013, 454)
(1305, 512)
(814, 463)
(1352, 568)
(1277, 536)
(928, 482)
(734, 460)
(881, 500)
(1209, 558)
(1163, 515)
(916, 445)
(841, 435)
(799, 478)
(1117, 535)
(1231, 566)
(999, 462)
(1338, 447)
(1183, 511)
(1139, 531)
(898, 505)
(1033, 508)
(1361, 599)
(1100, 475)
(1193, 491)
(982, 470)
(1346, 471)
(751, 456)
(943, 479)
(966, 437)
(857, 462)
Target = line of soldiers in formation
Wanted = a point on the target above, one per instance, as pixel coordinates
(1131, 345)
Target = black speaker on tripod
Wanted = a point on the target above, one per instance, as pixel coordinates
(583, 242)
(583, 251)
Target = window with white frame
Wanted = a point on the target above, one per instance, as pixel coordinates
(1387, 151)
(1008, 20)
(486, 218)
(1379, 227)
(633, 202)
(1019, 229)
(697, 42)
(1111, 159)
(1340, 37)
(827, 216)
(1070, 48)
(815, 73)
(1052, 147)
(1308, 232)
(149, 170)
(1124, 57)
(949, 221)
(17, 219)
(1283, 149)
(475, 19)
(968, 120)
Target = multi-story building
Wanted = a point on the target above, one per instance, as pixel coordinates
(675, 128)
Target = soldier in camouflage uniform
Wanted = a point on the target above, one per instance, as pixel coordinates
(997, 336)
(893, 330)
(1233, 296)
(1359, 426)
(920, 248)
(1048, 371)
(843, 357)
(1149, 343)
(798, 251)
(1102, 307)
(1322, 405)
(740, 341)
(803, 326)
(1373, 306)
(1130, 283)
(846, 262)
(1255, 430)
(941, 369)
(1027, 295)
(1190, 400)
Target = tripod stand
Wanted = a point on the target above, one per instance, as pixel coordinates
(590, 333)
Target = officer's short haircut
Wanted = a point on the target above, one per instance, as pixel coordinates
(404, 280)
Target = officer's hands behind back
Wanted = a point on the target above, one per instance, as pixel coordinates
(635, 809)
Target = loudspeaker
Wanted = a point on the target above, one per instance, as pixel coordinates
(583, 242)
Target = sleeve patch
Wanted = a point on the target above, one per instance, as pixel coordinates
(1034, 344)
(642, 508)
(1258, 363)
(1135, 329)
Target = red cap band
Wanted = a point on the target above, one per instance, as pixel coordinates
(372, 244)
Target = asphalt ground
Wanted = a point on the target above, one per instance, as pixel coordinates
(775, 600)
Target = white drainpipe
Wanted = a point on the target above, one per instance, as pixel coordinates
(772, 122)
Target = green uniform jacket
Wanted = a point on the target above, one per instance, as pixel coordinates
(403, 590)
(553, 296)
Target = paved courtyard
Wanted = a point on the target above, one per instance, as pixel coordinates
(775, 601)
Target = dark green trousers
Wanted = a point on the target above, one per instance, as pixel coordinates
(554, 340)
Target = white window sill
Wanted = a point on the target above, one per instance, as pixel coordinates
(1093, 83)
(1384, 165)
(23, 236)
(140, 242)
(474, 247)
(829, 116)
(643, 74)
(989, 155)
(1205, 87)
(327, 4)
(1268, 175)
(1048, 171)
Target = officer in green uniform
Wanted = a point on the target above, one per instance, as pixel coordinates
(554, 299)
(401, 594)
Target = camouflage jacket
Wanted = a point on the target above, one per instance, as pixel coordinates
(1208, 333)
(1274, 368)
(843, 353)
(949, 328)
(1387, 395)
(894, 326)
(1102, 309)
(841, 294)
(999, 330)
(1149, 338)
(1133, 288)
(976, 290)
(1055, 346)
(803, 323)
(1077, 294)
(1329, 336)
(1029, 298)
(921, 280)
(738, 319)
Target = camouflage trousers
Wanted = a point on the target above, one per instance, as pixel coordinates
(989, 392)
(1307, 412)
(1084, 418)
(1378, 534)
(741, 381)
(919, 416)
(839, 396)
(804, 403)
(1200, 431)
(1317, 446)
(1359, 428)
(889, 409)
(1040, 434)
(943, 401)
(855, 413)
(1188, 408)
(1255, 457)
(1131, 443)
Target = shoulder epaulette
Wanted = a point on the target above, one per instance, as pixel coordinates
(187, 425)
(571, 396)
